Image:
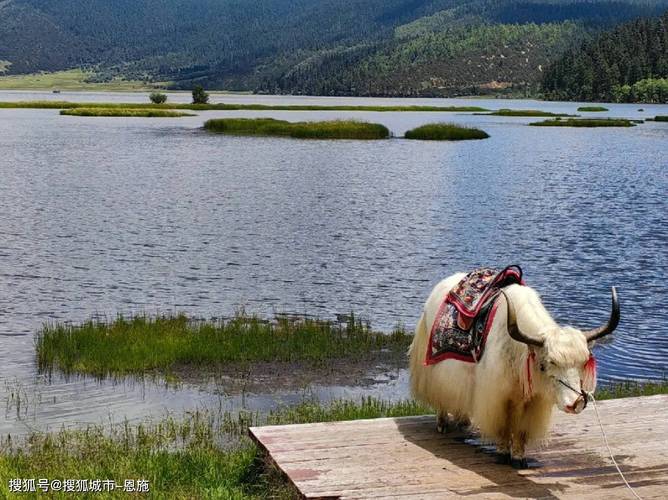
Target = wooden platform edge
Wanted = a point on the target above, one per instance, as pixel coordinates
(273, 463)
(264, 436)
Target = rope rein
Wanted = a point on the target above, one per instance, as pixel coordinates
(589, 396)
(605, 439)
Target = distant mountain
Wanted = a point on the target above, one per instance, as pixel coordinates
(366, 47)
(628, 63)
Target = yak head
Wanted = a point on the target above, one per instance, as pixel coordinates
(560, 359)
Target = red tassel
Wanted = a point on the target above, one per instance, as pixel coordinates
(528, 389)
(589, 380)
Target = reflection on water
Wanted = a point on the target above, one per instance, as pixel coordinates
(107, 215)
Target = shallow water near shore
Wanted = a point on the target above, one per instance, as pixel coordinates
(100, 216)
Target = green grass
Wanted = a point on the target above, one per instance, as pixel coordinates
(74, 79)
(592, 109)
(232, 107)
(661, 118)
(524, 112)
(586, 122)
(203, 455)
(629, 389)
(139, 113)
(160, 344)
(445, 132)
(337, 129)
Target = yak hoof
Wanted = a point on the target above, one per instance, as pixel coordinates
(442, 428)
(503, 458)
(519, 463)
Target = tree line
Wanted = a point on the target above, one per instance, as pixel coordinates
(626, 64)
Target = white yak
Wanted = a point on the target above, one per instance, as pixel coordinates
(529, 364)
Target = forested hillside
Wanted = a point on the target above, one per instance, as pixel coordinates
(366, 47)
(629, 63)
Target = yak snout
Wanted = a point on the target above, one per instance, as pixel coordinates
(577, 406)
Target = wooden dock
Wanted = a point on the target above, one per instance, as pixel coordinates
(406, 457)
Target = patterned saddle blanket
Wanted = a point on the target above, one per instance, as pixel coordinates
(466, 314)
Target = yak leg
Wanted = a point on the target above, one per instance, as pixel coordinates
(519, 461)
(503, 444)
(504, 435)
(461, 421)
(446, 423)
(442, 420)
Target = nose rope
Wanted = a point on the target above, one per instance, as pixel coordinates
(590, 396)
(582, 393)
(605, 440)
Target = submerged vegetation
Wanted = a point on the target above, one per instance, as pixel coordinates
(142, 344)
(586, 122)
(525, 112)
(232, 107)
(445, 132)
(592, 109)
(336, 129)
(137, 113)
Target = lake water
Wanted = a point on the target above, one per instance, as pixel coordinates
(113, 215)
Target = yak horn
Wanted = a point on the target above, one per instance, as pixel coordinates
(514, 330)
(611, 324)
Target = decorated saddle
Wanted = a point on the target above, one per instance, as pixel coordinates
(462, 322)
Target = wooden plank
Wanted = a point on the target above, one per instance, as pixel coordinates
(407, 458)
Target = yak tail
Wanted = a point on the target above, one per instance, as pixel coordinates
(417, 352)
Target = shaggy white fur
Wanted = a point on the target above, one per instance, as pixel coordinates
(495, 394)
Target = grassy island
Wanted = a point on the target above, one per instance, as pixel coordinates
(586, 122)
(336, 129)
(661, 118)
(592, 109)
(133, 113)
(445, 132)
(160, 344)
(234, 107)
(524, 112)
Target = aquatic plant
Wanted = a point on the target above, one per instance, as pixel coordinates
(133, 113)
(661, 118)
(233, 107)
(524, 112)
(337, 129)
(592, 109)
(586, 122)
(445, 132)
(144, 344)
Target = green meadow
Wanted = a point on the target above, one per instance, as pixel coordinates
(445, 132)
(592, 109)
(132, 113)
(336, 129)
(524, 112)
(73, 79)
(231, 107)
(586, 122)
